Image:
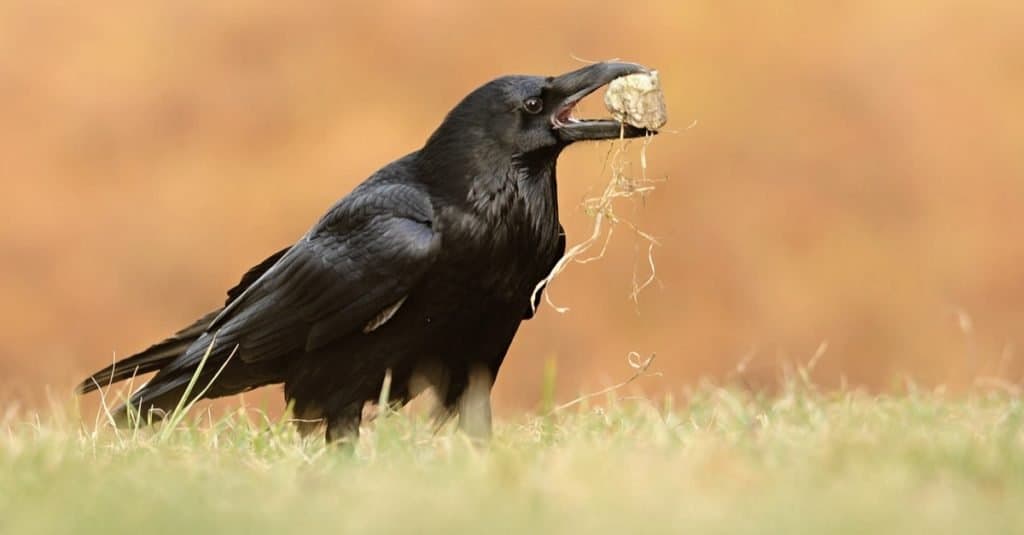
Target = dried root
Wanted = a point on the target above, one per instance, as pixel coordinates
(621, 185)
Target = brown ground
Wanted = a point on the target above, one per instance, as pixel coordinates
(855, 174)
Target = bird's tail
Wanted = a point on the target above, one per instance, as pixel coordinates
(153, 359)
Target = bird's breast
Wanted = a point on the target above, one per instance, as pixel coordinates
(505, 255)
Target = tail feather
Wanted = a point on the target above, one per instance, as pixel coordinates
(170, 387)
(154, 401)
(152, 359)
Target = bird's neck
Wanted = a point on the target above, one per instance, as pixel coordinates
(517, 194)
(469, 172)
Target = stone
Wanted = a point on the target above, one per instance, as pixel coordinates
(636, 99)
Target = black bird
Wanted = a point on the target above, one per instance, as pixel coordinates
(423, 271)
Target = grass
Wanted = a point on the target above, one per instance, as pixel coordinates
(718, 460)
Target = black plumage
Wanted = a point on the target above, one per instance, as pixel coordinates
(425, 270)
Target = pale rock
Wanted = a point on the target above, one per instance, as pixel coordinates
(637, 99)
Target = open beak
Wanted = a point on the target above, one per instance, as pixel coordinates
(571, 87)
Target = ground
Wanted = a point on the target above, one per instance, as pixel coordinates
(715, 460)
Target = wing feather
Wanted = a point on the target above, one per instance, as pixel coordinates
(360, 260)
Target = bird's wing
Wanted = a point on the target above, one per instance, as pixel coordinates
(254, 274)
(365, 256)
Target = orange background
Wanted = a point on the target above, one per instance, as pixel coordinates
(855, 175)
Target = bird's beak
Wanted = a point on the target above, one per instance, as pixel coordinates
(571, 87)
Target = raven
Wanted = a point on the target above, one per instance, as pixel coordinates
(423, 273)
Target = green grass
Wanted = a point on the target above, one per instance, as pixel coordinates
(716, 461)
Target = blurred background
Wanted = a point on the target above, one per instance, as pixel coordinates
(845, 172)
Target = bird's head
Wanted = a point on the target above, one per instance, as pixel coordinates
(520, 115)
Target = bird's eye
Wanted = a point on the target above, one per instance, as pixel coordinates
(533, 105)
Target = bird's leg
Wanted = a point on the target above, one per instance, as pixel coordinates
(474, 405)
(431, 380)
(343, 426)
(307, 417)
